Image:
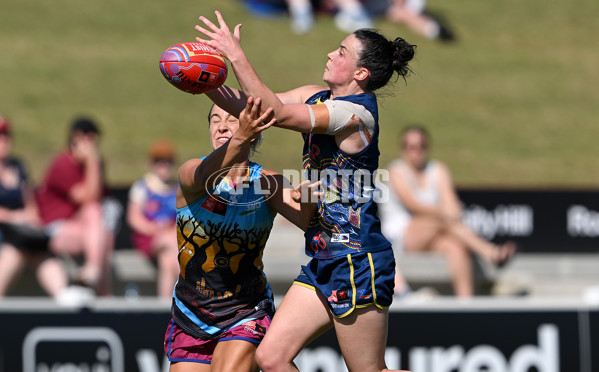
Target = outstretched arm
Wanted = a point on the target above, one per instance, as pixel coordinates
(292, 114)
(297, 205)
(195, 174)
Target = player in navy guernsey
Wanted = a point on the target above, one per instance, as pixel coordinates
(222, 304)
(348, 283)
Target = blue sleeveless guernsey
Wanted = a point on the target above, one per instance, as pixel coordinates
(221, 240)
(346, 221)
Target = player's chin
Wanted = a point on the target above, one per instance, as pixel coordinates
(216, 144)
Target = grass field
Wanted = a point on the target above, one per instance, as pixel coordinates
(514, 103)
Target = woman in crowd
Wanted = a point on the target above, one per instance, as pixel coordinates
(424, 213)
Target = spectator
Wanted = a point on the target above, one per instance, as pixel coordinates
(70, 205)
(413, 15)
(151, 215)
(424, 213)
(21, 236)
(350, 15)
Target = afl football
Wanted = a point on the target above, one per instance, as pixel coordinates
(193, 67)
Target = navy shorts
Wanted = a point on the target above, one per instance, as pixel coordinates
(352, 281)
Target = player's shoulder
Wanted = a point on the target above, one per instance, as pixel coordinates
(268, 172)
(300, 94)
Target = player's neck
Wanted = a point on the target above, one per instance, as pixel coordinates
(347, 90)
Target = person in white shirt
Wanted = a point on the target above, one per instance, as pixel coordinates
(424, 214)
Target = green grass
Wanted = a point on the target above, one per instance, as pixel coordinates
(513, 104)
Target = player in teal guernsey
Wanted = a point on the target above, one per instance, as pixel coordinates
(348, 284)
(225, 210)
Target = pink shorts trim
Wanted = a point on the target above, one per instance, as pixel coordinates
(179, 346)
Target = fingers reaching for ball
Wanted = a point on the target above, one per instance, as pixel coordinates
(220, 37)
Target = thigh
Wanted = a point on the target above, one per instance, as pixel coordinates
(362, 337)
(68, 237)
(302, 316)
(189, 367)
(234, 355)
(420, 233)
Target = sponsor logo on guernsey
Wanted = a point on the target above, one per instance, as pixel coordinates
(340, 238)
(214, 205)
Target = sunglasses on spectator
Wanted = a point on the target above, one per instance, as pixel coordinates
(414, 146)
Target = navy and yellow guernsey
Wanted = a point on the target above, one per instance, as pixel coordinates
(221, 239)
(346, 221)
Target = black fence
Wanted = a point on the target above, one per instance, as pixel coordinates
(539, 220)
(557, 221)
(125, 336)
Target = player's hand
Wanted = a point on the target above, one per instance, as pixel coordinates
(251, 123)
(221, 38)
(307, 192)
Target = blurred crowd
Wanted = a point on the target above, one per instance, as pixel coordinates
(70, 215)
(350, 15)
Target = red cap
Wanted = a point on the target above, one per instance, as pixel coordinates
(161, 149)
(4, 125)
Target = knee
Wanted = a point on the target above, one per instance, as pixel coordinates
(453, 247)
(261, 359)
(92, 214)
(398, 14)
(266, 361)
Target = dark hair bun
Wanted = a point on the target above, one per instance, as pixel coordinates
(403, 52)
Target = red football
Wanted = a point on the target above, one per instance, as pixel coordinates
(193, 67)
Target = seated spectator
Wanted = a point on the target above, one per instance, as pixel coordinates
(70, 205)
(21, 235)
(413, 15)
(424, 213)
(349, 15)
(151, 215)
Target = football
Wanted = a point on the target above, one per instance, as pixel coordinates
(193, 67)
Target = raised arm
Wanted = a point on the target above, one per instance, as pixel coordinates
(297, 205)
(289, 108)
(195, 174)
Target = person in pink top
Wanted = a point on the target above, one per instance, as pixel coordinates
(69, 202)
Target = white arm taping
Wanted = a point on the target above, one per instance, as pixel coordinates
(343, 114)
(312, 118)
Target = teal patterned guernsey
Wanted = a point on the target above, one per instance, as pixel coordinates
(221, 239)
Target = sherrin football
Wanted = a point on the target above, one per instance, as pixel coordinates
(193, 67)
